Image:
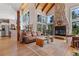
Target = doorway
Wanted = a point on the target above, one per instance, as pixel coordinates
(5, 31)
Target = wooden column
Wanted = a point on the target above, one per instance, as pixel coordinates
(18, 25)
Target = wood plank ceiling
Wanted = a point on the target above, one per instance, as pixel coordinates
(23, 6)
(46, 7)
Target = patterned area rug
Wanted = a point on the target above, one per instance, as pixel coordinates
(56, 48)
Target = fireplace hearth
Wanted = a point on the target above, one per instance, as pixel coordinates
(60, 30)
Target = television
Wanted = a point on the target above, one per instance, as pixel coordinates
(60, 30)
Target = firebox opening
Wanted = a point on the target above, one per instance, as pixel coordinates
(60, 30)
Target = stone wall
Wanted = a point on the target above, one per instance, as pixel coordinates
(60, 17)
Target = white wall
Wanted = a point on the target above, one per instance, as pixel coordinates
(33, 15)
(13, 21)
(7, 12)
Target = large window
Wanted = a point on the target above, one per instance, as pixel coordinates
(75, 13)
(50, 24)
(41, 19)
(41, 23)
(24, 21)
(50, 19)
(75, 21)
(75, 26)
(45, 24)
(39, 27)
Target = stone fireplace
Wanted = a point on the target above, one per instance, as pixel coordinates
(60, 20)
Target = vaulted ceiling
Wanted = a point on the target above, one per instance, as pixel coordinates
(44, 7)
(15, 6)
(8, 10)
(23, 6)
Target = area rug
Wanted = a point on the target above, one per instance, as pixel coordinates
(56, 48)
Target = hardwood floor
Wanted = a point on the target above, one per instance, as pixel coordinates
(10, 47)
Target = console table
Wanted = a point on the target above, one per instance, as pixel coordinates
(75, 42)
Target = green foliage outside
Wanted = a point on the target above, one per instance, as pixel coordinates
(76, 54)
(75, 29)
(50, 29)
(74, 15)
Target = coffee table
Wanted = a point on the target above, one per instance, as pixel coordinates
(40, 40)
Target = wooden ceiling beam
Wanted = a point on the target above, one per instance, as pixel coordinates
(37, 5)
(21, 5)
(44, 6)
(50, 8)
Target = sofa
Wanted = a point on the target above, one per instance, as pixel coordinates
(29, 37)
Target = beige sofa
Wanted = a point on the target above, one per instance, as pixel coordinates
(29, 37)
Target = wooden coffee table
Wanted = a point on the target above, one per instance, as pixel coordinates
(40, 40)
